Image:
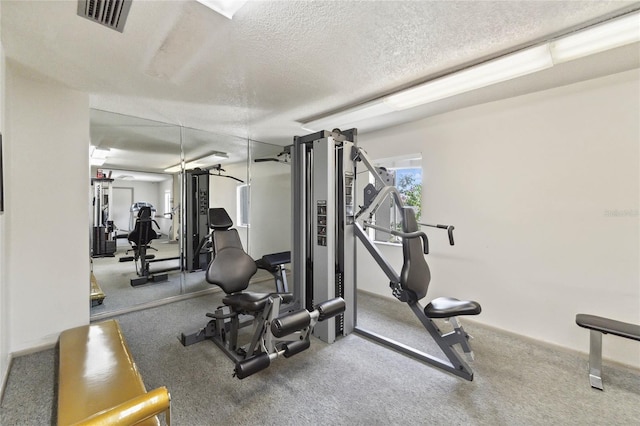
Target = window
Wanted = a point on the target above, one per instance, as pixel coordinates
(405, 173)
(409, 184)
(242, 196)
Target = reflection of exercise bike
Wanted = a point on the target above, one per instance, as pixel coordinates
(273, 335)
(134, 212)
(140, 238)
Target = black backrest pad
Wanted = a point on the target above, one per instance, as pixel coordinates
(232, 268)
(219, 219)
(415, 275)
(143, 233)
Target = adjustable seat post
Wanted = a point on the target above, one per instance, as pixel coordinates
(463, 338)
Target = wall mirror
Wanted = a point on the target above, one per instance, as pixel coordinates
(270, 207)
(178, 173)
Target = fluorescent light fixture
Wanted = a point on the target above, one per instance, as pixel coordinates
(173, 169)
(208, 160)
(505, 68)
(97, 161)
(609, 35)
(226, 8)
(95, 152)
(347, 118)
(97, 156)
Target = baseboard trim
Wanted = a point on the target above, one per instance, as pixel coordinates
(33, 349)
(5, 377)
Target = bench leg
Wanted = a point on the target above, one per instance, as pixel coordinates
(595, 360)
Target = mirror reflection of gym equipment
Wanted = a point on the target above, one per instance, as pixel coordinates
(140, 238)
(103, 235)
(112, 279)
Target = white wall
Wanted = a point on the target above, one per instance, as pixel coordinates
(46, 243)
(544, 192)
(4, 305)
(270, 208)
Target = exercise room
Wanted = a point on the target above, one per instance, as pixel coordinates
(303, 212)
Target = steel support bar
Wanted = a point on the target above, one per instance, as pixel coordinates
(595, 359)
(375, 253)
(444, 342)
(413, 353)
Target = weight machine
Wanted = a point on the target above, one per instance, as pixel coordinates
(274, 333)
(103, 241)
(198, 251)
(197, 220)
(326, 226)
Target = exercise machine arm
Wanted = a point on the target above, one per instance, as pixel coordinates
(416, 234)
(449, 229)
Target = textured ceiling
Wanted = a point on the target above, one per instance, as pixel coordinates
(278, 63)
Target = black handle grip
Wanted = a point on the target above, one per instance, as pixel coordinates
(449, 229)
(450, 232)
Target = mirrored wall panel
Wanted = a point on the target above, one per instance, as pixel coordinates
(151, 187)
(130, 179)
(216, 174)
(270, 207)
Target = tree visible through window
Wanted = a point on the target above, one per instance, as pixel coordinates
(405, 173)
(409, 184)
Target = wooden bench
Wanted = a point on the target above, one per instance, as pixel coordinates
(98, 382)
(599, 326)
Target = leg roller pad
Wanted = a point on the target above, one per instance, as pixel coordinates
(330, 308)
(290, 349)
(252, 365)
(290, 323)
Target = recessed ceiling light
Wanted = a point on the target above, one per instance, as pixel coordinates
(226, 8)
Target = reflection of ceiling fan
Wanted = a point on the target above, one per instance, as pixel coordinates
(284, 157)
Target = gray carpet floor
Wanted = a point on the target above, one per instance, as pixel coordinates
(517, 381)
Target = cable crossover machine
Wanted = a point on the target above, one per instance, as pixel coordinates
(326, 226)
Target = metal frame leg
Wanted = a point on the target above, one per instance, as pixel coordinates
(463, 338)
(454, 363)
(595, 359)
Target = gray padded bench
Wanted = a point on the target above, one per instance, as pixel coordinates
(599, 326)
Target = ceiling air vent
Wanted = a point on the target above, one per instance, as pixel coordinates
(110, 13)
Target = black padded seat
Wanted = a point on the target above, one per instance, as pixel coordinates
(219, 219)
(271, 262)
(447, 307)
(252, 302)
(143, 232)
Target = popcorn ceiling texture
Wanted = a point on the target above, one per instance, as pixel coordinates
(277, 62)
